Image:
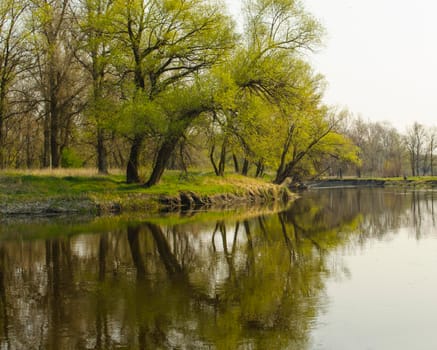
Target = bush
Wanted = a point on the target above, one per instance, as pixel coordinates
(70, 159)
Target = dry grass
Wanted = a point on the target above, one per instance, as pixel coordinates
(60, 172)
(242, 181)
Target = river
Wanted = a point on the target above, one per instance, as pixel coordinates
(338, 269)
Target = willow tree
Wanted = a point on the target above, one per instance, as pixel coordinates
(306, 129)
(311, 138)
(180, 107)
(278, 117)
(169, 42)
(275, 31)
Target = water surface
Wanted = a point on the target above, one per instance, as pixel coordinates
(340, 269)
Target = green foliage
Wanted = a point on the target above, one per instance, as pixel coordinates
(158, 76)
(70, 159)
(270, 108)
(141, 115)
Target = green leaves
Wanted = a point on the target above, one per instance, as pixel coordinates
(141, 115)
(270, 102)
(142, 72)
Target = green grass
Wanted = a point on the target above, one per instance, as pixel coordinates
(171, 184)
(16, 188)
(34, 185)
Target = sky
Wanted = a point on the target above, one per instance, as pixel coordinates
(379, 57)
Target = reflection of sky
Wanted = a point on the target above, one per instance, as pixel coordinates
(389, 301)
(218, 267)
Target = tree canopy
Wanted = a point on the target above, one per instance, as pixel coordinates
(145, 85)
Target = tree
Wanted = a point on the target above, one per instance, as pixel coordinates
(312, 138)
(169, 41)
(381, 147)
(97, 54)
(180, 107)
(278, 119)
(414, 141)
(11, 60)
(57, 74)
(432, 144)
(258, 80)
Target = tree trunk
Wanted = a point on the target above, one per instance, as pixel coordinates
(2, 135)
(54, 120)
(286, 172)
(46, 163)
(102, 154)
(2, 148)
(211, 158)
(183, 165)
(413, 163)
(164, 154)
(169, 145)
(54, 147)
(222, 162)
(259, 168)
(281, 176)
(245, 169)
(29, 158)
(236, 165)
(285, 149)
(358, 172)
(132, 171)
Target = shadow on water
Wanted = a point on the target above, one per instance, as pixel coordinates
(228, 283)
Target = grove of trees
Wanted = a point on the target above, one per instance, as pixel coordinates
(385, 152)
(145, 85)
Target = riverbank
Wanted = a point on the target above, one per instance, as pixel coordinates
(416, 182)
(48, 194)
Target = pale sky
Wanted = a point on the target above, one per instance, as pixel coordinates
(379, 57)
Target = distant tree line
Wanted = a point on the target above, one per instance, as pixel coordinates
(146, 85)
(386, 152)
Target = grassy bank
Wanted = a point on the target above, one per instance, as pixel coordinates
(70, 192)
(412, 182)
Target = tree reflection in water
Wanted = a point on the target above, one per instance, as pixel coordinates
(249, 283)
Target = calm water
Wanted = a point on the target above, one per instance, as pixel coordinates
(341, 269)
